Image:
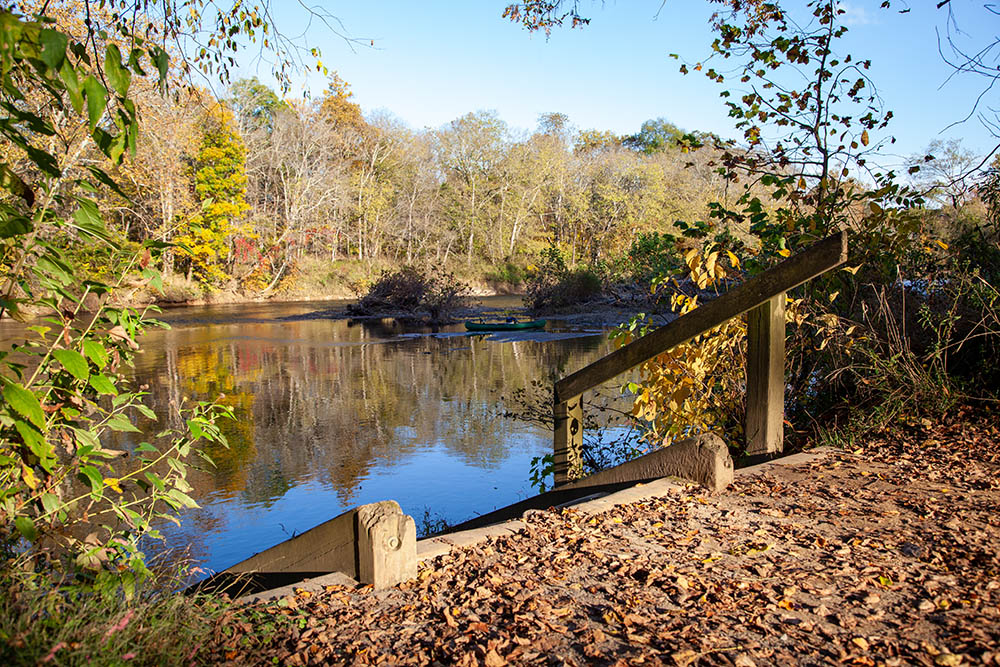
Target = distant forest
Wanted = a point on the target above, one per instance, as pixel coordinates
(257, 190)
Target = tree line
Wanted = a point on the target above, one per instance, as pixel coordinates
(251, 189)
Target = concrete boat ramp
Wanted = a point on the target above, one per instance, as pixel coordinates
(376, 544)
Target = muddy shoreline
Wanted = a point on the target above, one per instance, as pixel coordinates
(601, 313)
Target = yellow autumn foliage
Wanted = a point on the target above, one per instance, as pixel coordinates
(696, 387)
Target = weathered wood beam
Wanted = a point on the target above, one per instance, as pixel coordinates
(766, 377)
(567, 444)
(815, 260)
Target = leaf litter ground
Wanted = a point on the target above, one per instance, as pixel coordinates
(887, 555)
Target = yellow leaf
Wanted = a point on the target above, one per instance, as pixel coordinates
(113, 483)
(861, 643)
(685, 657)
(833, 296)
(875, 208)
(28, 475)
(710, 261)
(784, 252)
(941, 243)
(852, 269)
(864, 138)
(734, 260)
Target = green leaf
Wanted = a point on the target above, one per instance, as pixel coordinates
(72, 82)
(74, 362)
(182, 498)
(37, 444)
(156, 481)
(104, 178)
(120, 422)
(53, 47)
(118, 76)
(146, 411)
(13, 184)
(97, 100)
(145, 447)
(102, 385)
(135, 61)
(154, 278)
(11, 226)
(161, 59)
(45, 161)
(26, 527)
(52, 266)
(51, 503)
(103, 140)
(33, 121)
(96, 353)
(86, 438)
(90, 475)
(89, 220)
(24, 402)
(195, 427)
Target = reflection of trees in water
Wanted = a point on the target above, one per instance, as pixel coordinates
(314, 401)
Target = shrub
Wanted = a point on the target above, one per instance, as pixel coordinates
(902, 348)
(696, 387)
(652, 255)
(508, 273)
(552, 285)
(408, 292)
(73, 507)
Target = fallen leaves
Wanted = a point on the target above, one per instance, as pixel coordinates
(816, 564)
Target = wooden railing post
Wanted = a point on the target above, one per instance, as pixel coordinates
(763, 297)
(567, 443)
(766, 377)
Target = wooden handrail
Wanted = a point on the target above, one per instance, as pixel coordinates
(764, 296)
(815, 260)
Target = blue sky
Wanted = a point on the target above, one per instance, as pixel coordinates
(433, 61)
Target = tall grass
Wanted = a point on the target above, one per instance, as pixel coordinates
(43, 622)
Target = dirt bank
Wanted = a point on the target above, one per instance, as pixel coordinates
(886, 555)
(596, 314)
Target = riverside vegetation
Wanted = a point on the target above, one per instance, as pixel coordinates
(113, 189)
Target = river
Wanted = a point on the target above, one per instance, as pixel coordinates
(336, 413)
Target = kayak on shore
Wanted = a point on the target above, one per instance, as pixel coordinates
(470, 325)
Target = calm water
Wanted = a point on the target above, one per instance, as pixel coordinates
(336, 413)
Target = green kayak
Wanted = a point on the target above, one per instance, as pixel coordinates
(503, 326)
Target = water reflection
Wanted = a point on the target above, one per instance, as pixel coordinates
(334, 413)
